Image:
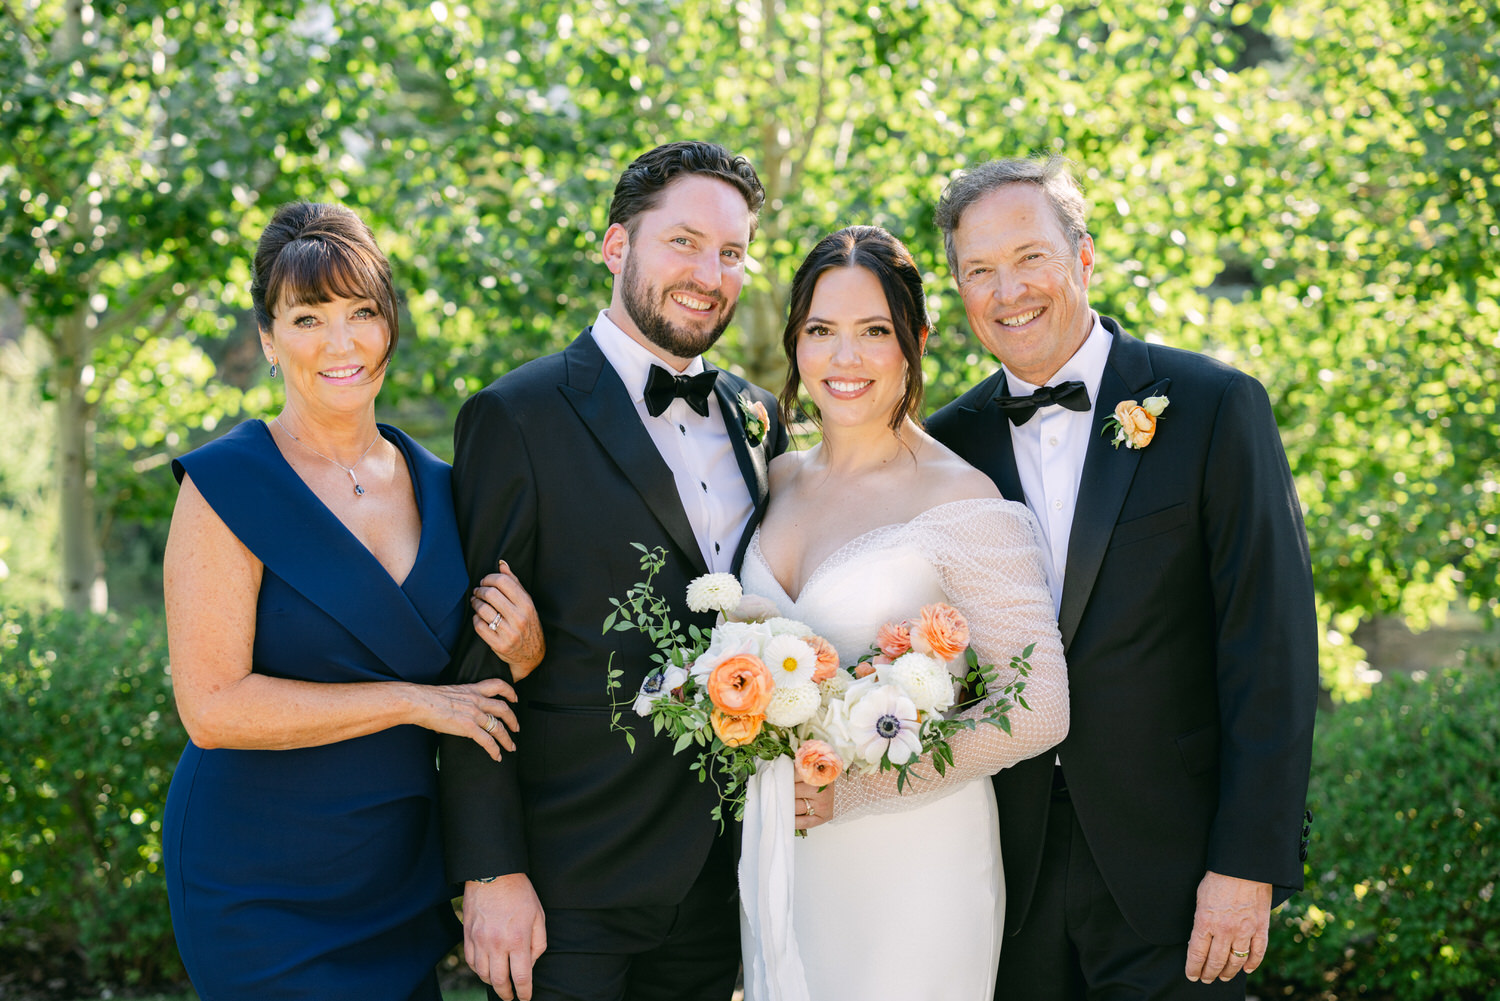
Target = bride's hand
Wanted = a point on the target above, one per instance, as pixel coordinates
(813, 806)
(506, 620)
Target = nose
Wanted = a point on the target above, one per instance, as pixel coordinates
(706, 270)
(1008, 286)
(339, 333)
(846, 350)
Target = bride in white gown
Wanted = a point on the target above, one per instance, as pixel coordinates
(896, 894)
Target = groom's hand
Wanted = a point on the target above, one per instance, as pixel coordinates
(1233, 916)
(504, 933)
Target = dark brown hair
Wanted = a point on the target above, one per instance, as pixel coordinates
(640, 186)
(885, 257)
(311, 253)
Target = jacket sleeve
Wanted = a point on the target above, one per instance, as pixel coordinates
(1266, 643)
(494, 497)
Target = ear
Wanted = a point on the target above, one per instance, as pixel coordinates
(615, 248)
(265, 346)
(1086, 258)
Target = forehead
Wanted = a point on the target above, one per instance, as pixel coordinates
(1007, 218)
(704, 204)
(848, 290)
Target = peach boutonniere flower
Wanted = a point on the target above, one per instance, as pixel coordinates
(755, 419)
(1134, 424)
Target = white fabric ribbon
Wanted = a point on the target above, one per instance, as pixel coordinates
(773, 966)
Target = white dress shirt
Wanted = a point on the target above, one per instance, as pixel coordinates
(1050, 449)
(697, 449)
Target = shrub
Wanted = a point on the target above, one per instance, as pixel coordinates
(92, 738)
(1405, 850)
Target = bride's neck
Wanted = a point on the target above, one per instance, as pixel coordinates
(854, 450)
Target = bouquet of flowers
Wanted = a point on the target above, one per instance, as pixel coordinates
(758, 686)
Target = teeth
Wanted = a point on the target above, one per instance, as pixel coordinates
(340, 373)
(1016, 321)
(692, 301)
(847, 387)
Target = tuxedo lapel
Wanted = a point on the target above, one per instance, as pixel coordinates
(751, 458)
(603, 404)
(990, 448)
(1107, 474)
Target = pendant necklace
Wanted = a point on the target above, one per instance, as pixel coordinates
(359, 491)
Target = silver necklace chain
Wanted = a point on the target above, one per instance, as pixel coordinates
(359, 491)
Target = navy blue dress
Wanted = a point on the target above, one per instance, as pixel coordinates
(316, 873)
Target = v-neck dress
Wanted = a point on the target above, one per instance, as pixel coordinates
(317, 872)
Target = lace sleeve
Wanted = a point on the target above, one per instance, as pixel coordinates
(989, 558)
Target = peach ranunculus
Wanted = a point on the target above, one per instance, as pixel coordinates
(894, 639)
(941, 631)
(828, 658)
(817, 764)
(740, 685)
(865, 668)
(736, 730)
(1137, 424)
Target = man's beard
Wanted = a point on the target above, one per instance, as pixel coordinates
(644, 304)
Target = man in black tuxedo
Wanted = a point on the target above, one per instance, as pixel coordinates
(1144, 859)
(626, 436)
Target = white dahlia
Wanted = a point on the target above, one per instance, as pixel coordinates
(793, 705)
(714, 592)
(925, 680)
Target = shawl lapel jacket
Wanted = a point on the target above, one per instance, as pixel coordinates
(1188, 621)
(555, 474)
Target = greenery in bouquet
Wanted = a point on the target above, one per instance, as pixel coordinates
(759, 686)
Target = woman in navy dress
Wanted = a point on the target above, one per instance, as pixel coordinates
(314, 591)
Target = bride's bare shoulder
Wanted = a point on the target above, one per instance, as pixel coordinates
(950, 478)
(785, 467)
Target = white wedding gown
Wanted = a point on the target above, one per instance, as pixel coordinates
(902, 895)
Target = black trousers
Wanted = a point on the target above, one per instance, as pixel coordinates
(1075, 945)
(690, 952)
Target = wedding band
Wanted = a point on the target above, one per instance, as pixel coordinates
(807, 806)
(1241, 955)
(490, 727)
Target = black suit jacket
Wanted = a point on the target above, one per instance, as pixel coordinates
(1188, 621)
(554, 473)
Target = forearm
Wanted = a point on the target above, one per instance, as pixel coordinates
(259, 712)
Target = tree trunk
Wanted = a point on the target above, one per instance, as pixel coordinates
(83, 571)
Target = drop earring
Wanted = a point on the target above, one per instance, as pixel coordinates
(274, 370)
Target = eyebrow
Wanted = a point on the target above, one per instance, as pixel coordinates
(879, 318)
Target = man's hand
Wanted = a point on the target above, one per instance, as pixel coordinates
(504, 933)
(1233, 916)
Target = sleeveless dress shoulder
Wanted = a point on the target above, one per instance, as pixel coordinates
(316, 873)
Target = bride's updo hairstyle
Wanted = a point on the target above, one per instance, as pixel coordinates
(884, 256)
(313, 253)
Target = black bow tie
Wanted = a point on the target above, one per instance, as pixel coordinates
(662, 386)
(1072, 395)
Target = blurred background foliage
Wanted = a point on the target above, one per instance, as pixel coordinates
(1303, 188)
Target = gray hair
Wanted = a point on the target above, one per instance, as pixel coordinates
(1052, 174)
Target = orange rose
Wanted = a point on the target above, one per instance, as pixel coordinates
(828, 658)
(741, 685)
(735, 731)
(894, 639)
(1136, 424)
(865, 668)
(817, 764)
(941, 631)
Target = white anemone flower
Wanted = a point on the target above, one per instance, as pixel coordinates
(924, 679)
(657, 685)
(714, 592)
(791, 660)
(793, 705)
(884, 723)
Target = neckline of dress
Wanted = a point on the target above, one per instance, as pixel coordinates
(817, 571)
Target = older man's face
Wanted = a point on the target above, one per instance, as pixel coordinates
(1025, 290)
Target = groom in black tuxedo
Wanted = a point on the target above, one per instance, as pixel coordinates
(625, 436)
(1142, 861)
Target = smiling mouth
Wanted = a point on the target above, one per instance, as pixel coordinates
(847, 386)
(341, 373)
(693, 302)
(1021, 319)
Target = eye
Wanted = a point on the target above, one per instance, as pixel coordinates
(976, 273)
(1034, 256)
(366, 313)
(304, 320)
(817, 330)
(878, 330)
(733, 255)
(682, 241)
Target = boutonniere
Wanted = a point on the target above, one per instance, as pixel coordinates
(1134, 424)
(755, 419)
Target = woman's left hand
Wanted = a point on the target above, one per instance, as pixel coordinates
(813, 806)
(506, 620)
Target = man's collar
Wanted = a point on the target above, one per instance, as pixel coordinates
(630, 359)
